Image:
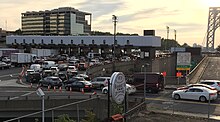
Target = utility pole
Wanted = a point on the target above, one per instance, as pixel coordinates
(175, 37)
(167, 37)
(114, 19)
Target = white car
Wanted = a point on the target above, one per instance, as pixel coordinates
(213, 83)
(130, 89)
(195, 93)
(71, 69)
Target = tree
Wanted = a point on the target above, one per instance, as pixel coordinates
(64, 118)
(18, 32)
(91, 117)
(185, 45)
(168, 43)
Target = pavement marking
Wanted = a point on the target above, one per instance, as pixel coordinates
(11, 75)
(181, 101)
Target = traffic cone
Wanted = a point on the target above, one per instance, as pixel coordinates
(48, 88)
(70, 89)
(31, 85)
(82, 90)
(54, 89)
(94, 93)
(60, 89)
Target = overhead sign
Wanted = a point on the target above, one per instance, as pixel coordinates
(183, 61)
(118, 87)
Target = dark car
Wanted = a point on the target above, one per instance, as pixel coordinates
(63, 76)
(63, 67)
(51, 81)
(74, 79)
(79, 85)
(154, 81)
(33, 77)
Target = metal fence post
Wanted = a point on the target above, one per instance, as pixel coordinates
(209, 108)
(77, 107)
(52, 115)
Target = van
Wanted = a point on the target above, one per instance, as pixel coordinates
(154, 81)
(48, 64)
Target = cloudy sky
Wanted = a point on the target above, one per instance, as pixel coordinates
(188, 17)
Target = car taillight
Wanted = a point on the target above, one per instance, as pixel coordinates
(219, 84)
(211, 94)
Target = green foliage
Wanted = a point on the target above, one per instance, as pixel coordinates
(91, 117)
(64, 118)
(116, 109)
(168, 43)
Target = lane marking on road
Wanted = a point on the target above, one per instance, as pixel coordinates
(181, 101)
(23, 95)
(9, 75)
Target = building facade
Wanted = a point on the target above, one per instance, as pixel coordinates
(61, 21)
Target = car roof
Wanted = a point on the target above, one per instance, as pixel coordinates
(209, 80)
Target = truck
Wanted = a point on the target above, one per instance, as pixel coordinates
(6, 52)
(44, 52)
(19, 59)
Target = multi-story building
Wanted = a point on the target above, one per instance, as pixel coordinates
(61, 21)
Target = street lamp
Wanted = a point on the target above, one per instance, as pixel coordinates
(41, 94)
(114, 20)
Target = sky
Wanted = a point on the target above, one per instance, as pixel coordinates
(188, 17)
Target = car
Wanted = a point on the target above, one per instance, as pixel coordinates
(47, 73)
(195, 93)
(63, 75)
(4, 65)
(51, 81)
(36, 67)
(33, 77)
(71, 69)
(74, 79)
(63, 67)
(55, 70)
(194, 85)
(86, 77)
(79, 85)
(6, 59)
(82, 66)
(100, 82)
(130, 89)
(213, 83)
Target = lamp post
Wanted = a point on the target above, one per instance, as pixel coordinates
(114, 20)
(41, 94)
(167, 37)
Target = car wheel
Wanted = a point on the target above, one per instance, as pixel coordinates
(202, 99)
(176, 97)
(105, 91)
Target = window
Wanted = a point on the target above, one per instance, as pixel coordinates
(128, 42)
(15, 41)
(93, 42)
(82, 42)
(33, 41)
(71, 41)
(104, 42)
(23, 40)
(61, 41)
(42, 41)
(51, 41)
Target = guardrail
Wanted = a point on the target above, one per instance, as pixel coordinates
(193, 72)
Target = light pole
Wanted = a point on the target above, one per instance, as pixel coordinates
(41, 94)
(114, 20)
(167, 37)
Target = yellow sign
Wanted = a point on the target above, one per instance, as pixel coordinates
(182, 68)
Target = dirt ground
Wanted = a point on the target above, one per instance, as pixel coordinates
(145, 116)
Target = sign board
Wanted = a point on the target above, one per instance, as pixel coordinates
(164, 74)
(118, 87)
(178, 74)
(183, 61)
